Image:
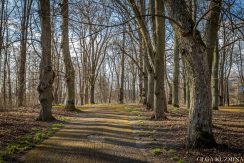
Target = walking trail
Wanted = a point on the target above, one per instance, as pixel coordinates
(97, 135)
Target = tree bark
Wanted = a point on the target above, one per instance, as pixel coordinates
(145, 81)
(195, 53)
(23, 49)
(175, 89)
(122, 72)
(222, 64)
(69, 69)
(215, 79)
(150, 92)
(45, 86)
(159, 90)
(92, 95)
(170, 94)
(211, 29)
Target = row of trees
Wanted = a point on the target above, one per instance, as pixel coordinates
(154, 52)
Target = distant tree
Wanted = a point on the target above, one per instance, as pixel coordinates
(23, 50)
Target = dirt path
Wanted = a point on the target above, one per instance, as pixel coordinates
(99, 135)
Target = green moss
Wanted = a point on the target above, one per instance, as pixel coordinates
(156, 151)
(62, 118)
(12, 148)
(180, 161)
(29, 141)
(168, 150)
(38, 137)
(175, 158)
(131, 110)
(60, 106)
(57, 125)
(1, 159)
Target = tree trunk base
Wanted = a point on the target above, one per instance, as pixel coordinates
(202, 140)
(158, 118)
(176, 106)
(46, 119)
(70, 107)
(215, 108)
(149, 107)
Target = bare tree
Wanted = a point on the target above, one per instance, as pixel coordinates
(200, 126)
(46, 78)
(69, 69)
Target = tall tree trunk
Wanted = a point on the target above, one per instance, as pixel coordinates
(10, 100)
(141, 73)
(215, 79)
(150, 92)
(45, 86)
(195, 54)
(184, 82)
(122, 72)
(159, 90)
(5, 73)
(211, 30)
(144, 54)
(69, 69)
(221, 80)
(175, 98)
(23, 49)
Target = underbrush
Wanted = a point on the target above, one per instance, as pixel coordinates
(28, 141)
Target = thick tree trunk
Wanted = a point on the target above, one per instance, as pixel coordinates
(175, 92)
(45, 86)
(215, 79)
(211, 30)
(159, 90)
(69, 69)
(195, 54)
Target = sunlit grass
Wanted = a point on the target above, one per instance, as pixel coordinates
(60, 106)
(156, 151)
(236, 109)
